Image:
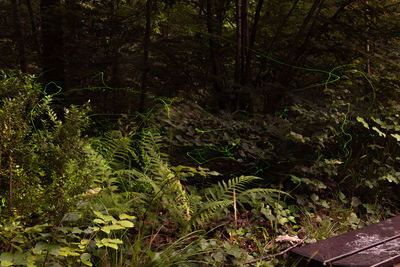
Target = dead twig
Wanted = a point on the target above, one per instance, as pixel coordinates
(267, 257)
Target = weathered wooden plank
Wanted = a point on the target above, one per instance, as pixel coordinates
(376, 245)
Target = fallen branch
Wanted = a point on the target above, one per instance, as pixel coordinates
(280, 253)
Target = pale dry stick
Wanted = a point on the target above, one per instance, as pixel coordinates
(156, 234)
(10, 186)
(280, 253)
(234, 207)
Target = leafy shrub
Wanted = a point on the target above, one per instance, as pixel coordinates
(42, 159)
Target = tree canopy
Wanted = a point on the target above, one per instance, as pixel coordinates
(131, 130)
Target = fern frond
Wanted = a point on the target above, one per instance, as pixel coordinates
(219, 197)
(224, 189)
(209, 210)
(267, 193)
(118, 150)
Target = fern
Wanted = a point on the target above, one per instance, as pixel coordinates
(117, 149)
(219, 197)
(138, 166)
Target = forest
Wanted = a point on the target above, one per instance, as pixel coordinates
(196, 132)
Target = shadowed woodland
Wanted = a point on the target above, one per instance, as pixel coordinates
(194, 133)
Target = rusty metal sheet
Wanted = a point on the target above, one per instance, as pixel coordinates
(377, 245)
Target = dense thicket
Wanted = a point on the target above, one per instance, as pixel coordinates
(287, 110)
(236, 53)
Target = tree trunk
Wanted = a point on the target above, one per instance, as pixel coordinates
(245, 40)
(34, 27)
(242, 99)
(238, 63)
(214, 28)
(276, 93)
(114, 51)
(278, 33)
(146, 44)
(252, 39)
(321, 29)
(302, 49)
(53, 46)
(18, 36)
(315, 8)
(367, 42)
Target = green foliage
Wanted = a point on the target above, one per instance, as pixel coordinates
(302, 118)
(42, 157)
(117, 199)
(145, 171)
(223, 195)
(67, 243)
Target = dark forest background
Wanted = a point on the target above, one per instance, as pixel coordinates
(243, 54)
(270, 118)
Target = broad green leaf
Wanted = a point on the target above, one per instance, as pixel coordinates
(85, 242)
(361, 120)
(333, 161)
(112, 243)
(124, 216)
(64, 230)
(298, 137)
(54, 249)
(353, 220)
(19, 239)
(219, 257)
(36, 229)
(88, 263)
(355, 202)
(108, 228)
(85, 257)
(6, 257)
(71, 217)
(112, 240)
(76, 230)
(126, 224)
(324, 204)
(314, 197)
(19, 258)
(379, 131)
(6, 263)
(295, 179)
(67, 251)
(99, 221)
(31, 259)
(397, 136)
(106, 218)
(342, 196)
(283, 220)
(41, 246)
(390, 178)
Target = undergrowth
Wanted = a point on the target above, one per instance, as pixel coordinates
(71, 199)
(179, 186)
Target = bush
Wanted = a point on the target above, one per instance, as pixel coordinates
(42, 159)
